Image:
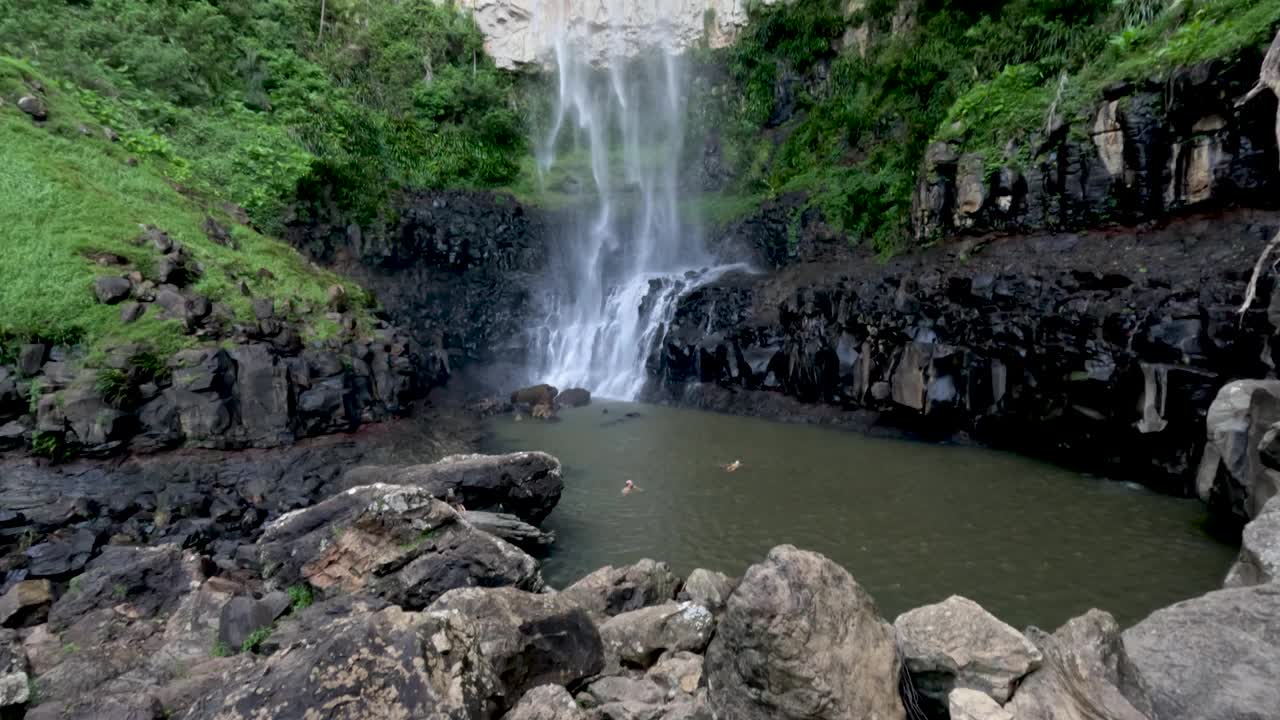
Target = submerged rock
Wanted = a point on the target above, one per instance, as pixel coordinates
(1259, 561)
(611, 591)
(525, 484)
(1213, 657)
(801, 639)
(956, 643)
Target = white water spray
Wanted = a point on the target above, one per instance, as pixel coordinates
(626, 255)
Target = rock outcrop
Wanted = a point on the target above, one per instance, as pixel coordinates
(1212, 657)
(801, 639)
(1242, 425)
(395, 542)
(611, 591)
(548, 702)
(639, 637)
(958, 644)
(1259, 561)
(526, 484)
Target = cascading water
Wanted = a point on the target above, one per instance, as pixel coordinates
(625, 254)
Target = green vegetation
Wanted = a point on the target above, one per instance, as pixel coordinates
(220, 649)
(255, 639)
(983, 78)
(300, 597)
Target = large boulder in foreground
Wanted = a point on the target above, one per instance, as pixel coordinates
(1233, 477)
(800, 639)
(956, 643)
(547, 702)
(1086, 675)
(395, 542)
(1214, 657)
(614, 590)
(525, 484)
(638, 638)
(357, 661)
(526, 639)
(1259, 561)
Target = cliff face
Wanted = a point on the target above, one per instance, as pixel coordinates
(522, 33)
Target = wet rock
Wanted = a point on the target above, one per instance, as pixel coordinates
(151, 580)
(395, 542)
(526, 484)
(965, 704)
(27, 603)
(1232, 476)
(708, 588)
(1259, 561)
(528, 639)
(639, 637)
(509, 528)
(111, 290)
(802, 622)
(543, 412)
(956, 643)
(546, 702)
(33, 106)
(611, 591)
(1086, 674)
(1212, 657)
(574, 397)
(535, 396)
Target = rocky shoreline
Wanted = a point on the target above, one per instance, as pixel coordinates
(325, 581)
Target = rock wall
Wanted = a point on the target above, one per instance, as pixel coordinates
(1148, 149)
(522, 33)
(1104, 350)
(457, 269)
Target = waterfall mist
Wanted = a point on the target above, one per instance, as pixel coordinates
(625, 252)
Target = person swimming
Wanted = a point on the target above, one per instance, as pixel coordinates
(732, 466)
(628, 486)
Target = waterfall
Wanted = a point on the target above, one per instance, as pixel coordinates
(624, 255)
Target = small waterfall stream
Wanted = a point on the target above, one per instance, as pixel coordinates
(625, 254)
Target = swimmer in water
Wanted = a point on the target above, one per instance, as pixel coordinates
(628, 486)
(732, 466)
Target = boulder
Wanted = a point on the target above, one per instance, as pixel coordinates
(965, 704)
(708, 588)
(111, 290)
(625, 697)
(801, 639)
(1232, 478)
(956, 643)
(638, 638)
(33, 106)
(26, 603)
(611, 591)
(15, 689)
(526, 484)
(395, 542)
(61, 555)
(1259, 560)
(131, 311)
(574, 397)
(243, 616)
(130, 706)
(546, 702)
(151, 580)
(357, 661)
(1213, 657)
(678, 672)
(528, 639)
(1086, 674)
(535, 395)
(30, 359)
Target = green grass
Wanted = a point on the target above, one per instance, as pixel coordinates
(300, 597)
(255, 639)
(64, 195)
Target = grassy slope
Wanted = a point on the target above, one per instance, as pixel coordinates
(63, 194)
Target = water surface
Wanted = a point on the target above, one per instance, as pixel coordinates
(914, 523)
